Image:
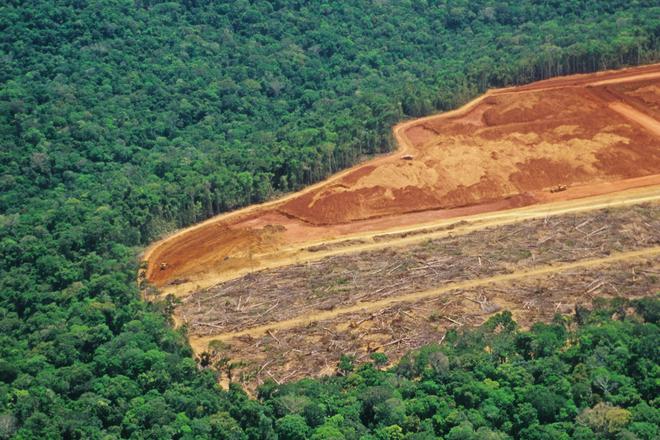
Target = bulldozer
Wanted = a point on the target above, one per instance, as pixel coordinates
(558, 188)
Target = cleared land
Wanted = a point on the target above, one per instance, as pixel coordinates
(464, 220)
(595, 134)
(271, 296)
(313, 349)
(296, 321)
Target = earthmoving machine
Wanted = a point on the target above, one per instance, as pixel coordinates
(558, 188)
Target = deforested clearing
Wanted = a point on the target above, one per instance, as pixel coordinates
(393, 300)
(537, 199)
(551, 141)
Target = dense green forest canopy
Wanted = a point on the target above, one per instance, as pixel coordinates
(180, 110)
(593, 376)
(122, 120)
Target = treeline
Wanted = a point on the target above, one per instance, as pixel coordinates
(590, 376)
(184, 110)
(121, 120)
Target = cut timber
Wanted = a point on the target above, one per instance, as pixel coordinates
(416, 296)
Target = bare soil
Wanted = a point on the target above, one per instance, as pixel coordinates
(595, 134)
(297, 321)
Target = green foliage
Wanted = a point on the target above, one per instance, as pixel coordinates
(346, 364)
(123, 120)
(292, 427)
(379, 359)
(330, 430)
(483, 394)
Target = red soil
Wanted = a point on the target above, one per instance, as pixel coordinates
(503, 150)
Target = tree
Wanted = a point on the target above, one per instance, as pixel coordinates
(392, 432)
(546, 403)
(7, 425)
(605, 419)
(292, 427)
(380, 359)
(346, 364)
(330, 430)
(224, 427)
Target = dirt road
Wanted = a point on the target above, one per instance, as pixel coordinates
(646, 121)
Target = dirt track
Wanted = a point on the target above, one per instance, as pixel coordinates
(502, 151)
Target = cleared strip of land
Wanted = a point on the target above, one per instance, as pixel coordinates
(278, 296)
(507, 149)
(296, 321)
(425, 294)
(404, 236)
(310, 348)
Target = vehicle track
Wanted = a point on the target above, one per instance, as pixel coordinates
(642, 119)
(621, 104)
(416, 296)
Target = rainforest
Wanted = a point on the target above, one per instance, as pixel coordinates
(123, 121)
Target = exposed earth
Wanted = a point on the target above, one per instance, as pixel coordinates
(592, 134)
(504, 203)
(295, 321)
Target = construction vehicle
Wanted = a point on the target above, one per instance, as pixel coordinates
(558, 188)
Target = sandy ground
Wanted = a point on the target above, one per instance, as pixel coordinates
(597, 134)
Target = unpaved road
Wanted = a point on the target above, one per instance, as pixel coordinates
(196, 258)
(646, 121)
